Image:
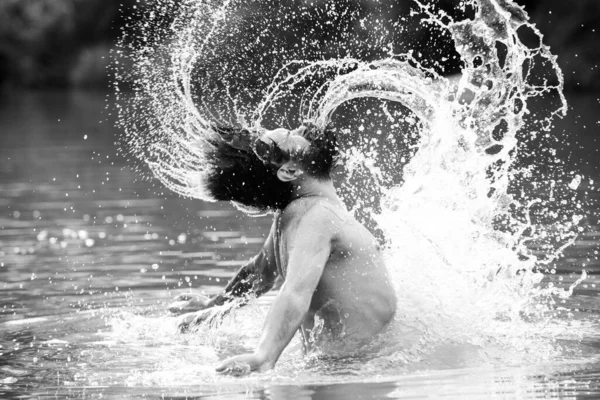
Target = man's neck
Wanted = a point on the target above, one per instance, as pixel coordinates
(307, 186)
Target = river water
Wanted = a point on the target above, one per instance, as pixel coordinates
(90, 255)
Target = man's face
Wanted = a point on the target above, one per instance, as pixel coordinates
(239, 174)
(279, 146)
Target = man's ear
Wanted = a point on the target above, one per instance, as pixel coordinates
(289, 171)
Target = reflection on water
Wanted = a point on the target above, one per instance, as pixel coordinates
(89, 255)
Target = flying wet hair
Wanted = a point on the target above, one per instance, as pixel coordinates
(236, 173)
(322, 155)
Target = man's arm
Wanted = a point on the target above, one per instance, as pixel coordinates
(257, 276)
(309, 252)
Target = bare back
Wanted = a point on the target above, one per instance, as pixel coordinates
(354, 298)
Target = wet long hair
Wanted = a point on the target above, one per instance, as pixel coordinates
(321, 157)
(237, 174)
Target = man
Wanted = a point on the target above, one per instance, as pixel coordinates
(332, 268)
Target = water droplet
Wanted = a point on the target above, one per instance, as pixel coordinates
(575, 182)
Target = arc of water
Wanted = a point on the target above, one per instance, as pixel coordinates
(391, 80)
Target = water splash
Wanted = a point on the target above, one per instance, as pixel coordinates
(458, 229)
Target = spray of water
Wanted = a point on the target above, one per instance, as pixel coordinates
(440, 153)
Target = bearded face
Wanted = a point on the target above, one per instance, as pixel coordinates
(237, 174)
(244, 170)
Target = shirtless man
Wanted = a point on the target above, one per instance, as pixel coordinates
(331, 265)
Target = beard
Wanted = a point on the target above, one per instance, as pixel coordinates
(237, 174)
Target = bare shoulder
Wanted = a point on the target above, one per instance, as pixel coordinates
(311, 213)
(324, 220)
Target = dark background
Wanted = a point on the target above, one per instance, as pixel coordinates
(67, 43)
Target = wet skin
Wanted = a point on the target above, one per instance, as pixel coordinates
(353, 296)
(331, 267)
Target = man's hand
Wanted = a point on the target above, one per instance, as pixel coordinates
(196, 318)
(211, 316)
(242, 365)
(188, 302)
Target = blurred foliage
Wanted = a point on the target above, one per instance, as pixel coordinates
(58, 42)
(67, 42)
